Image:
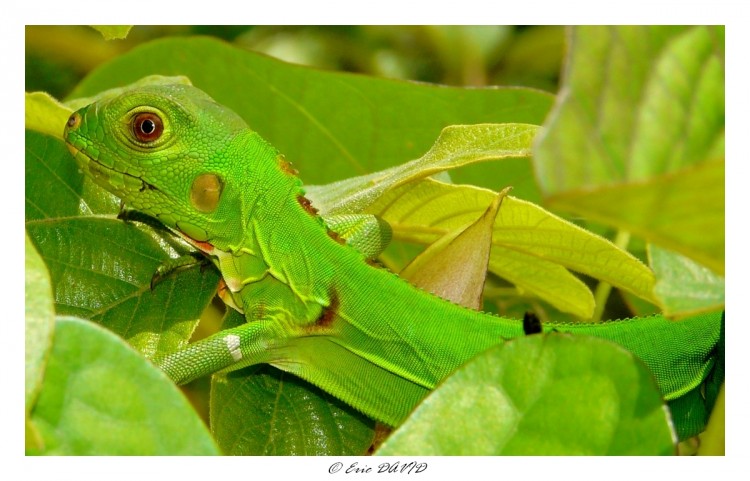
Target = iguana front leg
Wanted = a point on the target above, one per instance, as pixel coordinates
(367, 233)
(227, 350)
(176, 264)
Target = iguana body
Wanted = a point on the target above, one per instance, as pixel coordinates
(314, 306)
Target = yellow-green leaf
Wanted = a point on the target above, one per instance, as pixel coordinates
(713, 439)
(684, 287)
(683, 212)
(113, 32)
(455, 266)
(531, 247)
(40, 322)
(100, 397)
(640, 145)
(456, 146)
(45, 114)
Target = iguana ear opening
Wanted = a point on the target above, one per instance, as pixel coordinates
(205, 192)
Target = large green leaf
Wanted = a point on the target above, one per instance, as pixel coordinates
(100, 397)
(40, 321)
(101, 267)
(541, 395)
(55, 188)
(45, 114)
(640, 144)
(261, 410)
(330, 125)
(684, 287)
(107, 279)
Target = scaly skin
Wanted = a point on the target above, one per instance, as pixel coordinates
(313, 306)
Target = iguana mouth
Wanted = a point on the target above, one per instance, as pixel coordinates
(102, 172)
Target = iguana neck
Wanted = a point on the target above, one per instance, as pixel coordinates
(261, 187)
(282, 246)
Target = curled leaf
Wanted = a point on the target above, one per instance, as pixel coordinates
(455, 266)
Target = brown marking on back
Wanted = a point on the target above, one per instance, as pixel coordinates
(325, 320)
(307, 205)
(335, 236)
(375, 263)
(259, 311)
(286, 166)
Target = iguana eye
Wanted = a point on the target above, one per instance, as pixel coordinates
(147, 127)
(74, 121)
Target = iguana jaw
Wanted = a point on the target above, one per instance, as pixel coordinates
(136, 192)
(104, 166)
(122, 184)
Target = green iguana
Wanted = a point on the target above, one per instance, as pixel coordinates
(314, 306)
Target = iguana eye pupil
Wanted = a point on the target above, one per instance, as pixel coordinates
(147, 127)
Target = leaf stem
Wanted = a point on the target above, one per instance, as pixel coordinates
(603, 289)
(712, 440)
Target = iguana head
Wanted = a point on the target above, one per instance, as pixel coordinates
(168, 151)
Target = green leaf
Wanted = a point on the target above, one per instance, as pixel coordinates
(101, 267)
(111, 93)
(531, 247)
(541, 395)
(113, 32)
(54, 186)
(286, 417)
(40, 321)
(640, 146)
(684, 287)
(330, 125)
(45, 114)
(457, 145)
(102, 398)
(263, 411)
